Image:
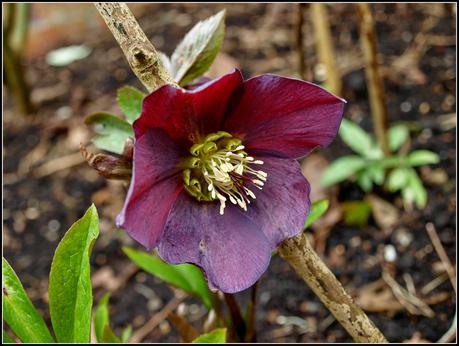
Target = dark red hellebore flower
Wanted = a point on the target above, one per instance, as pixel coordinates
(215, 179)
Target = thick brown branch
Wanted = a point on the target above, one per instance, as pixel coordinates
(299, 254)
(139, 51)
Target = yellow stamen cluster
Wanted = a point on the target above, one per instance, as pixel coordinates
(219, 168)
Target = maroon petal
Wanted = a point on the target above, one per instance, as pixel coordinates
(281, 208)
(154, 188)
(187, 114)
(283, 115)
(231, 250)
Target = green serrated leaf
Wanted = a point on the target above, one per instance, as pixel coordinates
(194, 55)
(19, 312)
(356, 138)
(341, 169)
(111, 130)
(70, 291)
(216, 336)
(397, 179)
(318, 208)
(397, 135)
(130, 101)
(6, 339)
(186, 276)
(422, 157)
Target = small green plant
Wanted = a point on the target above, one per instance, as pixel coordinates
(370, 166)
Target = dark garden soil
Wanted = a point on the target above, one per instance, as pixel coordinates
(47, 186)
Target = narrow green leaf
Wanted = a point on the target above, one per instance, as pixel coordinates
(109, 336)
(356, 138)
(376, 172)
(397, 135)
(420, 193)
(6, 339)
(216, 336)
(397, 179)
(341, 169)
(364, 180)
(130, 101)
(391, 161)
(70, 291)
(197, 283)
(19, 312)
(422, 157)
(104, 333)
(111, 130)
(318, 208)
(185, 276)
(126, 334)
(194, 55)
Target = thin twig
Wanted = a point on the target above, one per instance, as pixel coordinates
(58, 164)
(434, 284)
(302, 69)
(450, 334)
(436, 242)
(139, 51)
(411, 302)
(374, 80)
(324, 44)
(299, 254)
(146, 329)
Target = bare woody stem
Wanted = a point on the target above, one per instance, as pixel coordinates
(324, 46)
(139, 51)
(145, 62)
(303, 70)
(374, 81)
(299, 254)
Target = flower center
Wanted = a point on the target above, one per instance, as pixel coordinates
(219, 168)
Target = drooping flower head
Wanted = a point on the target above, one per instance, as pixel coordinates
(215, 179)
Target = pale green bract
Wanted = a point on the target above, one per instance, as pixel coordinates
(198, 49)
(130, 101)
(111, 131)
